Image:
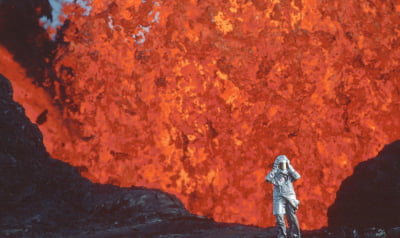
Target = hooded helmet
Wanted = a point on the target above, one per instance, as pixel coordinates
(281, 162)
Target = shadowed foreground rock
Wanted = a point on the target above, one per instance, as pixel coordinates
(44, 197)
(371, 196)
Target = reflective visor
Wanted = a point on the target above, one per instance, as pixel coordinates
(282, 165)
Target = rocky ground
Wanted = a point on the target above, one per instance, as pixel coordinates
(370, 197)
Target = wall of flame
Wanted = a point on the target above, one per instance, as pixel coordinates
(198, 97)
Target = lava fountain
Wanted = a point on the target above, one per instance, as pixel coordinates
(197, 98)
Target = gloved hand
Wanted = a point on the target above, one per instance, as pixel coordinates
(293, 172)
(290, 167)
(296, 205)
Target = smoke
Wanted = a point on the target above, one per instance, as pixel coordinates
(57, 13)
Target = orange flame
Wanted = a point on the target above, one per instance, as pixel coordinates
(198, 97)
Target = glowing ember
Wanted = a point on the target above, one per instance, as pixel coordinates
(198, 97)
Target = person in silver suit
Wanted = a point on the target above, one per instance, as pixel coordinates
(282, 177)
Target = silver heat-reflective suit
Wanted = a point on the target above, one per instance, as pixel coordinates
(282, 177)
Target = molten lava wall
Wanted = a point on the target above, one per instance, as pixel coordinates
(198, 97)
(35, 100)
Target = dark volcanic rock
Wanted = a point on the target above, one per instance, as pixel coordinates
(371, 196)
(44, 197)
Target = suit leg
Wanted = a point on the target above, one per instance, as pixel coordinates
(294, 228)
(281, 226)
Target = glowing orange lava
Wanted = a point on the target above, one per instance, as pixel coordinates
(35, 100)
(198, 97)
